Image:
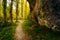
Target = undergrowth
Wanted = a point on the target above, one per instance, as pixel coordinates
(40, 32)
(6, 33)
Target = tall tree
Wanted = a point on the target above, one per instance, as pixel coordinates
(4, 10)
(0, 8)
(21, 8)
(11, 8)
(17, 11)
(46, 12)
(34, 9)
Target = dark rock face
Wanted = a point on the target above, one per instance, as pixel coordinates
(48, 13)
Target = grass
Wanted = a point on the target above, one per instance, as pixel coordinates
(6, 33)
(40, 32)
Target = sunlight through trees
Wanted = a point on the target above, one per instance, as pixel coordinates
(14, 9)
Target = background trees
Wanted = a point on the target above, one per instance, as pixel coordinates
(11, 7)
(4, 10)
(17, 11)
(13, 10)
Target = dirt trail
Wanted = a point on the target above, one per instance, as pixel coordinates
(20, 34)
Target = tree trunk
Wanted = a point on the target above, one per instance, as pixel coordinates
(46, 12)
(22, 9)
(11, 8)
(34, 10)
(4, 10)
(17, 11)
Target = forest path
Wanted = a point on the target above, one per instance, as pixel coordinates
(20, 34)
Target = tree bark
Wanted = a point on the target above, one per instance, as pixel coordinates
(17, 11)
(22, 9)
(46, 12)
(11, 8)
(34, 10)
(4, 10)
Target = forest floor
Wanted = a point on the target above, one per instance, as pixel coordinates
(20, 34)
(25, 31)
(40, 32)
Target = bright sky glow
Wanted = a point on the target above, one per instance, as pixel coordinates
(27, 4)
(9, 1)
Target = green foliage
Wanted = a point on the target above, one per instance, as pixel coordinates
(2, 22)
(28, 23)
(40, 32)
(6, 30)
(6, 33)
(25, 12)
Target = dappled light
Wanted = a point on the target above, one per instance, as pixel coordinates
(29, 19)
(12, 13)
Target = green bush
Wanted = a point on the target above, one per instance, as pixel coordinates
(28, 23)
(6, 33)
(2, 24)
(40, 32)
